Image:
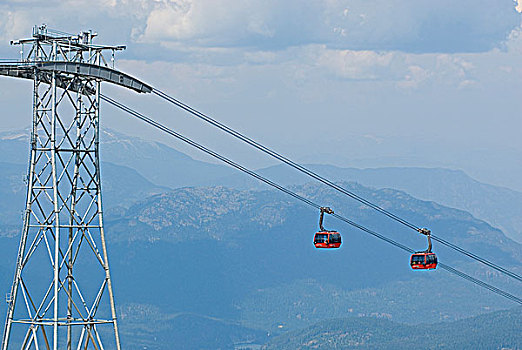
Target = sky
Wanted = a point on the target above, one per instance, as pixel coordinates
(364, 83)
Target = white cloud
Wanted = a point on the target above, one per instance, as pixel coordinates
(271, 33)
(420, 26)
(229, 22)
(357, 65)
(14, 25)
(415, 77)
(396, 25)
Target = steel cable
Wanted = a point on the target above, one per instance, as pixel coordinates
(280, 157)
(477, 258)
(325, 181)
(480, 283)
(297, 196)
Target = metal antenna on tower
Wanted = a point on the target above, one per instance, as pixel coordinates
(62, 295)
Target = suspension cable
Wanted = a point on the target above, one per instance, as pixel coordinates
(480, 283)
(297, 196)
(325, 181)
(477, 258)
(280, 157)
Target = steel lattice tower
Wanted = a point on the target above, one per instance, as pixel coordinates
(62, 295)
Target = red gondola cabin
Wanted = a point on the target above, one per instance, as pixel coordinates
(423, 261)
(327, 239)
(324, 238)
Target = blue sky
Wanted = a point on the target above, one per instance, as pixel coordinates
(348, 82)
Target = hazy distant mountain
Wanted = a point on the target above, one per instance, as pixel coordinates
(158, 163)
(247, 257)
(218, 212)
(147, 327)
(498, 166)
(121, 187)
(499, 330)
(165, 166)
(12, 197)
(14, 146)
(233, 261)
(499, 206)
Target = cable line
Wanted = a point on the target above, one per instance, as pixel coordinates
(297, 196)
(477, 258)
(280, 157)
(327, 182)
(480, 283)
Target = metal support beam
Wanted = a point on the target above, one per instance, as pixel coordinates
(62, 279)
(68, 70)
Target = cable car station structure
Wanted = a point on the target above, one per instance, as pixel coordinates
(63, 218)
(53, 302)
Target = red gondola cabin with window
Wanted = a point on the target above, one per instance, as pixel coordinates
(423, 261)
(327, 239)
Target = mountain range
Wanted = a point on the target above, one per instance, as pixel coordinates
(165, 167)
(233, 266)
(498, 206)
(499, 330)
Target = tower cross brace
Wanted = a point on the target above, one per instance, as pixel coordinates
(62, 295)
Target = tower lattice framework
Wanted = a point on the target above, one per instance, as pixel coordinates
(62, 295)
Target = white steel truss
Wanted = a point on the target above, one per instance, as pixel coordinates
(62, 296)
